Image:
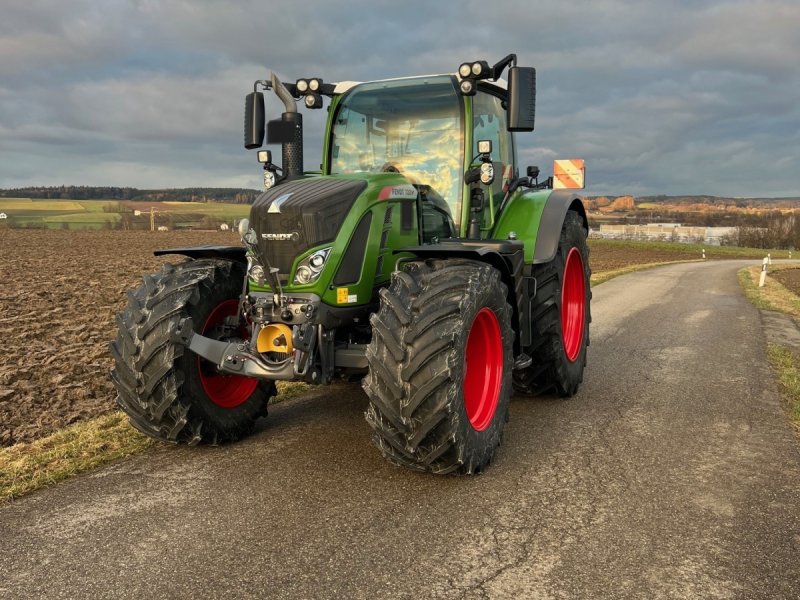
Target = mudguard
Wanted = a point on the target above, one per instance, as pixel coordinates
(535, 217)
(234, 253)
(504, 255)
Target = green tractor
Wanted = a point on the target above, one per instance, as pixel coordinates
(417, 259)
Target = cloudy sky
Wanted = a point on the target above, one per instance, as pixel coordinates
(675, 97)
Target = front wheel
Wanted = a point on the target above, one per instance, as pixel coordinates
(168, 392)
(440, 365)
(560, 315)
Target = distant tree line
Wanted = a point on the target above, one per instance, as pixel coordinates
(85, 192)
(777, 231)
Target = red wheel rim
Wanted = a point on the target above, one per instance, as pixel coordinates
(483, 369)
(227, 391)
(573, 305)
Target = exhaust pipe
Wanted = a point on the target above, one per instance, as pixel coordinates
(291, 149)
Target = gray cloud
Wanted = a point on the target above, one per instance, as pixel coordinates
(667, 97)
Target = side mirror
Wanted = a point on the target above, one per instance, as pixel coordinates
(521, 98)
(254, 120)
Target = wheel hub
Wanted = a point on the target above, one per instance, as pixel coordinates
(573, 305)
(483, 372)
(227, 391)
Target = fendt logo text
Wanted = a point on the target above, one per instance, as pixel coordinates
(281, 237)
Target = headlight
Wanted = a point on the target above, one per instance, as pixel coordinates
(303, 274)
(310, 268)
(269, 179)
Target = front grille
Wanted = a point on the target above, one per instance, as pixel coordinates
(309, 212)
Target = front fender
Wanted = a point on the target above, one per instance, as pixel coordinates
(234, 253)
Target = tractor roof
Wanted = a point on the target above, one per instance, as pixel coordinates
(345, 86)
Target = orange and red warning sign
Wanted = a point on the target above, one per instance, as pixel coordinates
(568, 174)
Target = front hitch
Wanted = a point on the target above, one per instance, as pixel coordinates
(233, 358)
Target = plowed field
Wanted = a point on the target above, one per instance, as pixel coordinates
(59, 292)
(790, 278)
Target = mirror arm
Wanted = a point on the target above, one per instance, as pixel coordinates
(499, 67)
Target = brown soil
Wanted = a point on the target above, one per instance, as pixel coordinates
(790, 278)
(59, 292)
(609, 258)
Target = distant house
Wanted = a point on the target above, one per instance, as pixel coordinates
(163, 228)
(224, 227)
(3, 216)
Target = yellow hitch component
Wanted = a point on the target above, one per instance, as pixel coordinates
(275, 337)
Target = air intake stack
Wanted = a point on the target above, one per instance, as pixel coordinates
(288, 131)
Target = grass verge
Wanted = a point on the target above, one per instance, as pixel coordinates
(787, 369)
(78, 448)
(773, 296)
(82, 447)
(784, 361)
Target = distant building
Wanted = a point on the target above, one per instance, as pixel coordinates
(163, 228)
(224, 227)
(3, 216)
(666, 232)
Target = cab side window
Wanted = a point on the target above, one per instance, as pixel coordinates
(489, 123)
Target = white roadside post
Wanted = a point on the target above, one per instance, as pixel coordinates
(769, 259)
(763, 280)
(704, 253)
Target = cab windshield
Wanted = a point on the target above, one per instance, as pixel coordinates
(411, 126)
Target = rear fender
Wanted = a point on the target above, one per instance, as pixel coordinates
(535, 218)
(555, 211)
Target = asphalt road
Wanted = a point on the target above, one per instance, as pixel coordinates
(672, 474)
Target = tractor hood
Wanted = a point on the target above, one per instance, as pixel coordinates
(296, 216)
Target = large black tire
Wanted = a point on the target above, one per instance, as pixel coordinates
(559, 349)
(168, 392)
(429, 409)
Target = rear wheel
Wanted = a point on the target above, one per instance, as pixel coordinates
(560, 316)
(440, 363)
(168, 392)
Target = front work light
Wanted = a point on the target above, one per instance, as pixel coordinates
(313, 100)
(467, 87)
(310, 268)
(480, 69)
(302, 86)
(487, 173)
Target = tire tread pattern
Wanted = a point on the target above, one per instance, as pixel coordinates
(550, 369)
(416, 366)
(150, 368)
